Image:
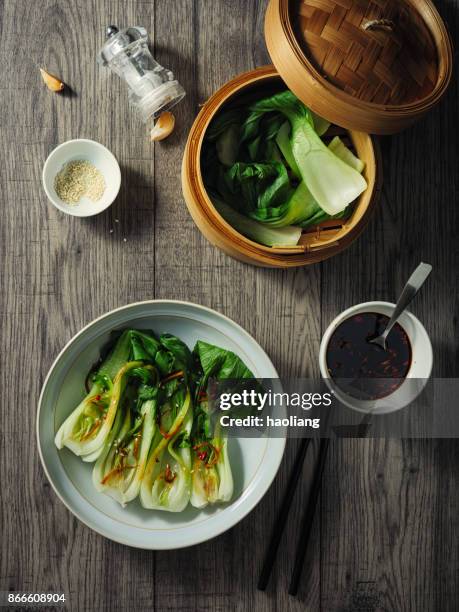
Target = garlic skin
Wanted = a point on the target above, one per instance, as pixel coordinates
(51, 81)
(163, 127)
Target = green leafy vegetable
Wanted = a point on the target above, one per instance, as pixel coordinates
(259, 232)
(266, 166)
(338, 147)
(87, 427)
(119, 470)
(147, 392)
(333, 183)
(258, 185)
(212, 479)
(144, 346)
(321, 125)
(222, 123)
(284, 144)
(166, 484)
(227, 145)
(147, 374)
(146, 425)
(180, 352)
(220, 363)
(297, 210)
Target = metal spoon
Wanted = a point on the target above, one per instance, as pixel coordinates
(415, 282)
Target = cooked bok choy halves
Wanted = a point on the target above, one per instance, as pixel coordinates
(145, 426)
(167, 479)
(86, 429)
(212, 479)
(120, 468)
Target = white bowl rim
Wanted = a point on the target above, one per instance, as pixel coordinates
(77, 514)
(369, 307)
(77, 212)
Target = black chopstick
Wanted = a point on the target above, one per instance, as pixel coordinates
(308, 518)
(281, 519)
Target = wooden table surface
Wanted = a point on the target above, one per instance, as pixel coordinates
(386, 530)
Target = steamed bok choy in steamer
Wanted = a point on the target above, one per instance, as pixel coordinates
(270, 174)
(146, 423)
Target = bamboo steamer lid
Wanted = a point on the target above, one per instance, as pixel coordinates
(371, 65)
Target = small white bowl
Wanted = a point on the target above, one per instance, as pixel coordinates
(418, 374)
(96, 154)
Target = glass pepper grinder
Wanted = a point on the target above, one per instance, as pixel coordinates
(152, 88)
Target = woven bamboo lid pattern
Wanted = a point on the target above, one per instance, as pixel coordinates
(379, 51)
(375, 66)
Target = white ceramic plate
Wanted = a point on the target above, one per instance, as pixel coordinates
(254, 461)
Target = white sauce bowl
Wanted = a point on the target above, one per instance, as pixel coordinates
(418, 374)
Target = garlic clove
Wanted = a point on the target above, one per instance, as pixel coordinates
(51, 82)
(163, 127)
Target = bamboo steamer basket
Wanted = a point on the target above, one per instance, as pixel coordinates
(288, 27)
(323, 241)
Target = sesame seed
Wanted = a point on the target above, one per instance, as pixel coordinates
(79, 179)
